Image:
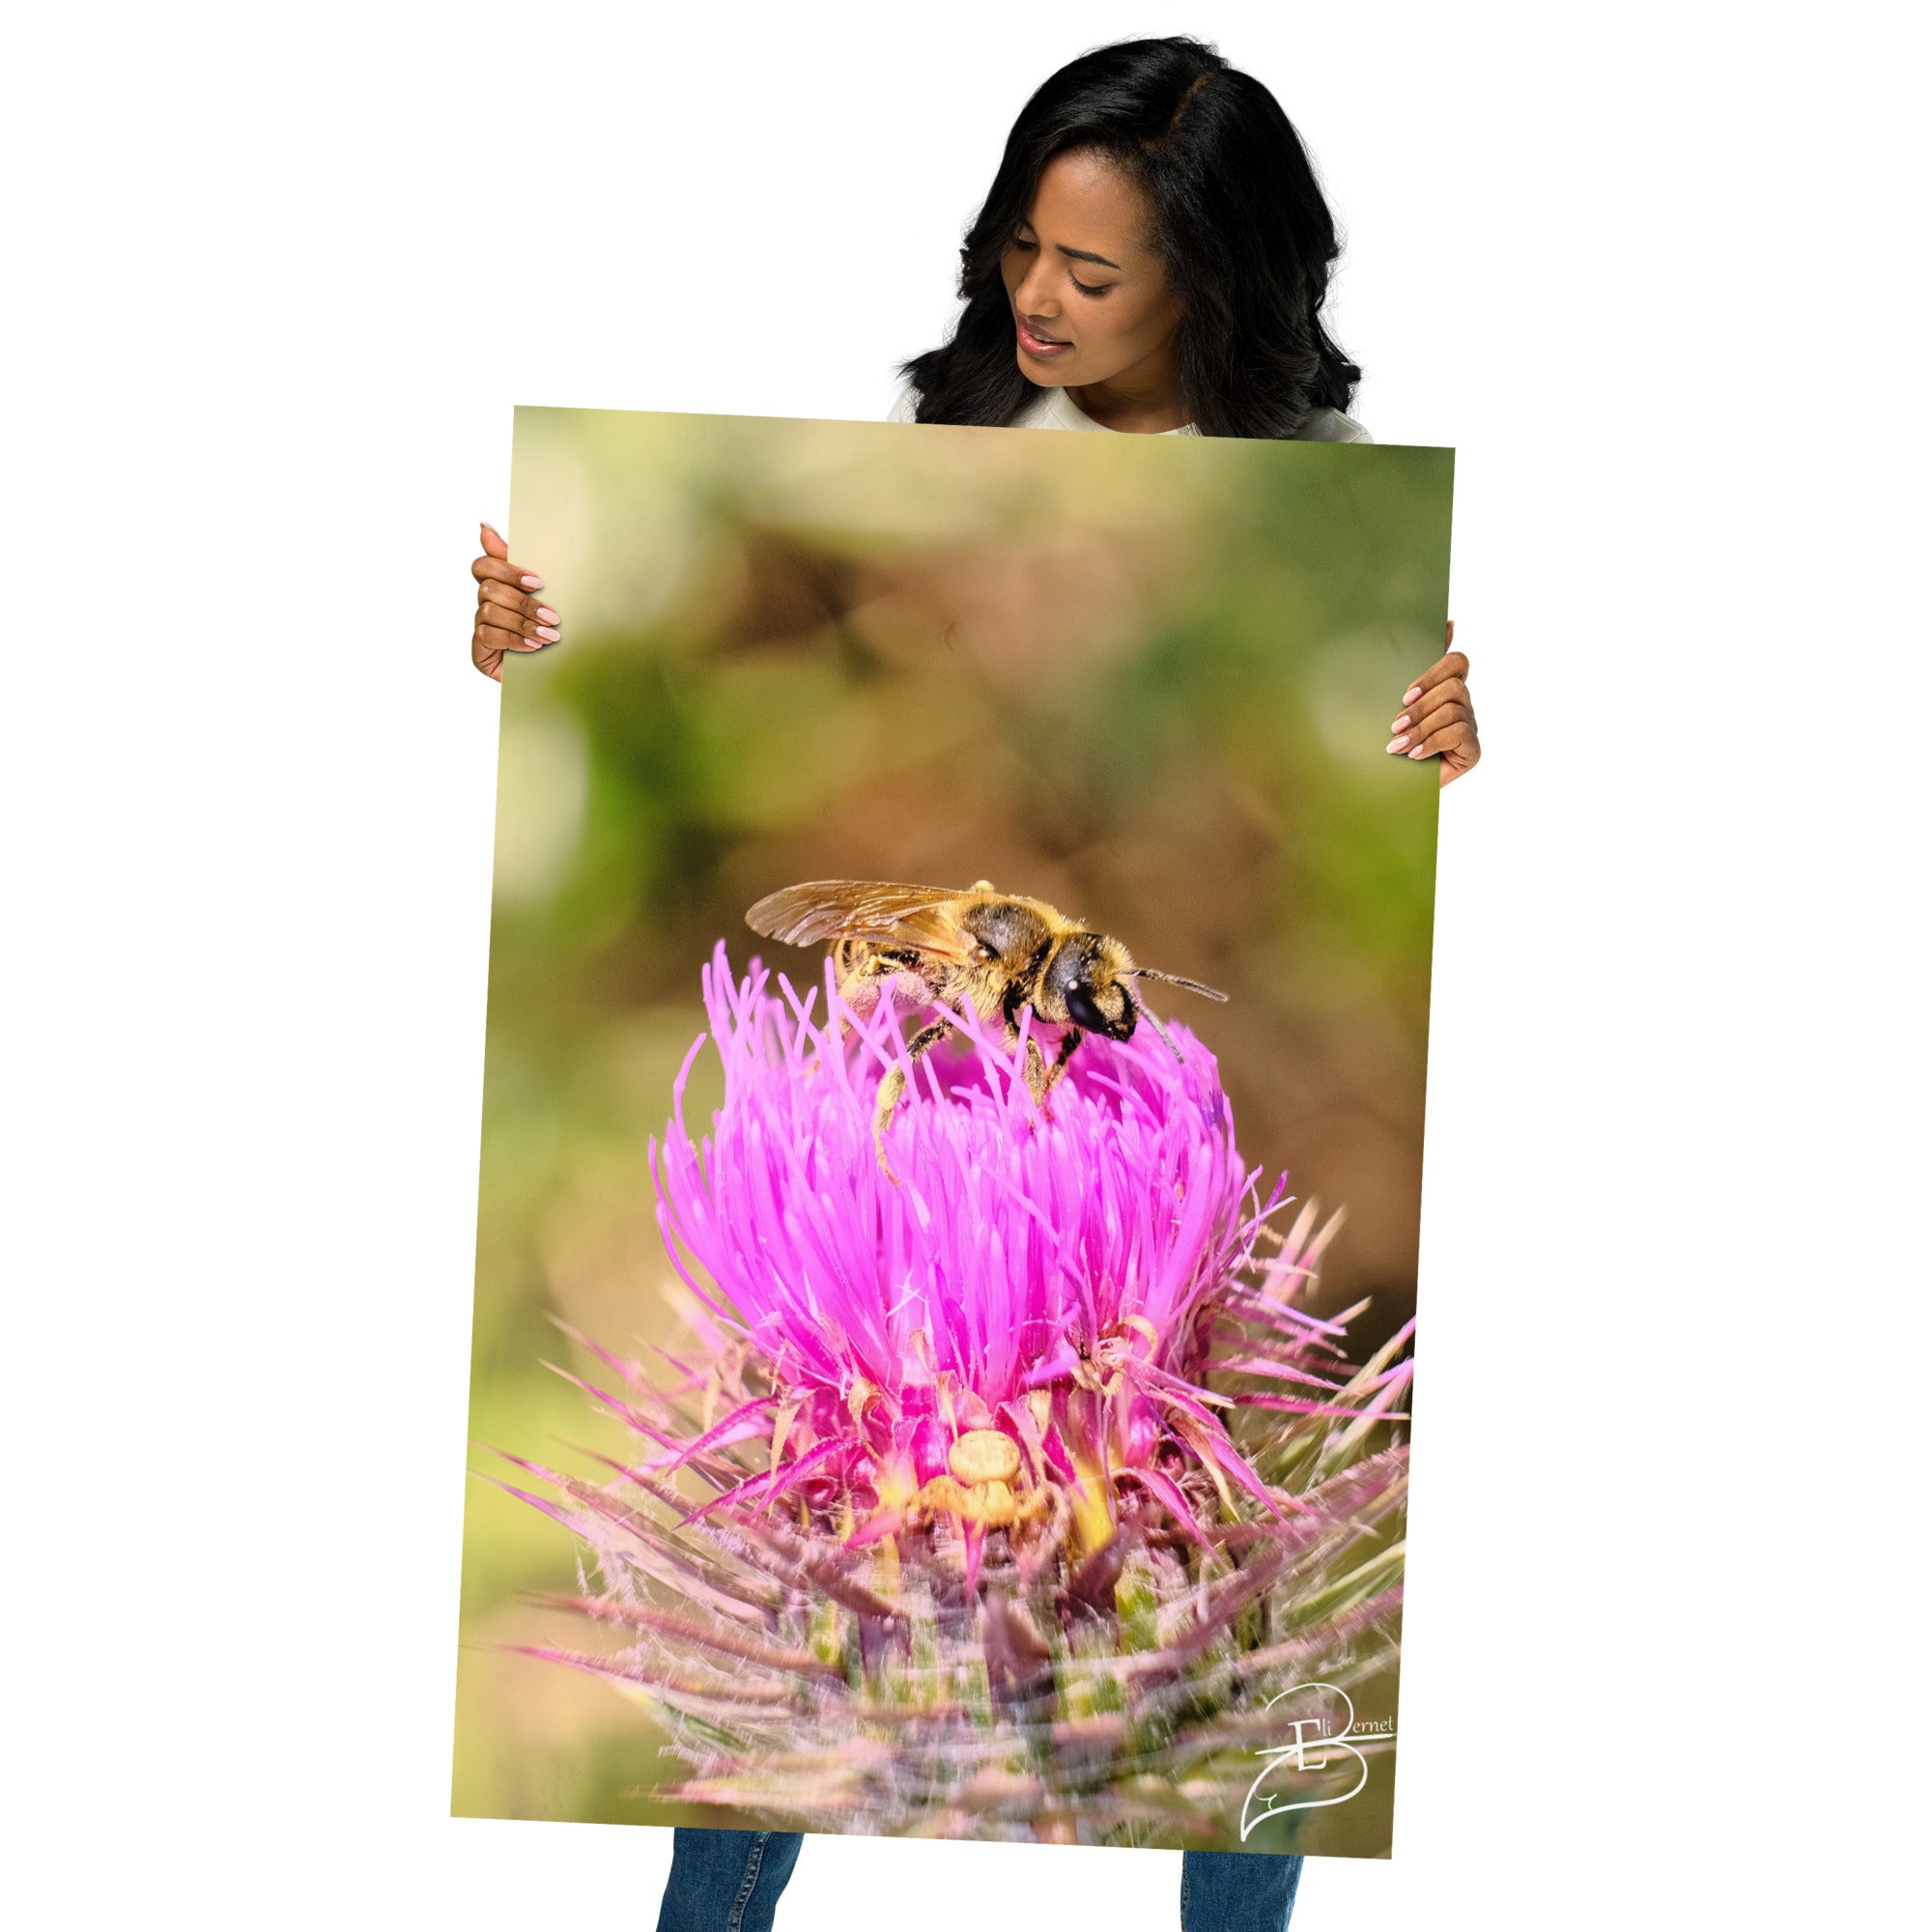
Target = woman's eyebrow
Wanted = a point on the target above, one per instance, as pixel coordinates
(1087, 255)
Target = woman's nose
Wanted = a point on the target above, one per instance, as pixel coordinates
(1034, 295)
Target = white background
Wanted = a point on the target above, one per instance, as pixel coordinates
(276, 277)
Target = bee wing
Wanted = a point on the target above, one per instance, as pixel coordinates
(924, 916)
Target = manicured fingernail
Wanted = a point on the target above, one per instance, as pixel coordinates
(1417, 752)
(536, 584)
(544, 632)
(1414, 692)
(532, 645)
(1395, 744)
(546, 615)
(1400, 723)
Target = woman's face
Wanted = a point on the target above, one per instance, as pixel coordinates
(1091, 300)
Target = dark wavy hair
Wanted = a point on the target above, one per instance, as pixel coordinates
(1241, 229)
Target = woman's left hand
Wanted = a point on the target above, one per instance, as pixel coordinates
(1437, 721)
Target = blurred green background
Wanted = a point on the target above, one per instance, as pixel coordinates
(1146, 678)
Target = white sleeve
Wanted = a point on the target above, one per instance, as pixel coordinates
(1331, 426)
(905, 409)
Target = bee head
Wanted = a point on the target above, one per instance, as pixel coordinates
(1084, 986)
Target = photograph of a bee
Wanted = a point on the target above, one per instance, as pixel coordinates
(945, 1334)
(942, 947)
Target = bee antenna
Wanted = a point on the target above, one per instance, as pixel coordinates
(1174, 979)
(1152, 1018)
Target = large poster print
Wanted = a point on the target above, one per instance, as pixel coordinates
(953, 1129)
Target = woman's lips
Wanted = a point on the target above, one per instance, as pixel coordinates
(1043, 347)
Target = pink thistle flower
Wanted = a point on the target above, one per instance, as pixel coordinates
(978, 1552)
(1039, 1272)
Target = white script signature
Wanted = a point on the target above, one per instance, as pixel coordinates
(1317, 1746)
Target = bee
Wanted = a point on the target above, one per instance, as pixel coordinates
(992, 951)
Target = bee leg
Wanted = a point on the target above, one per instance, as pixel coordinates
(860, 992)
(894, 1085)
(860, 984)
(1042, 1079)
(865, 978)
(1036, 1068)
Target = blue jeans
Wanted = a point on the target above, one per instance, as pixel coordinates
(730, 1880)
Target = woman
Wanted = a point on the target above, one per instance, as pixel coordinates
(1152, 258)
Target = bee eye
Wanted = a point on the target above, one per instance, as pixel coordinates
(1082, 1010)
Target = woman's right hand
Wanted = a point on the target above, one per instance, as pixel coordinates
(507, 618)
